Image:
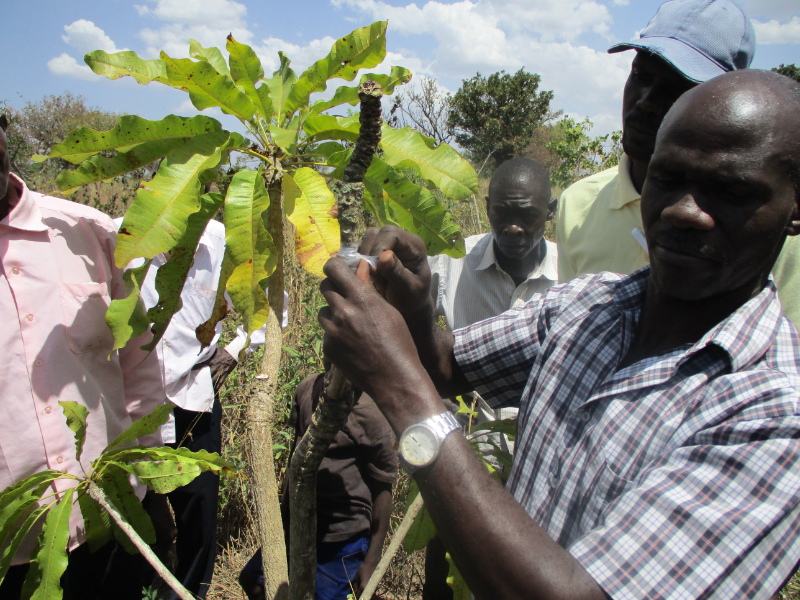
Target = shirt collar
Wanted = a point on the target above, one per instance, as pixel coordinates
(25, 214)
(745, 335)
(548, 266)
(625, 193)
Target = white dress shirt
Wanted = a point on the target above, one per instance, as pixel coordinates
(179, 350)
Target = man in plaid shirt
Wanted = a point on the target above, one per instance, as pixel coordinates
(658, 446)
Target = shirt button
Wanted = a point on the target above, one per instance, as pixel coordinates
(48, 410)
(29, 317)
(38, 363)
(15, 270)
(166, 343)
(60, 459)
(586, 415)
(552, 480)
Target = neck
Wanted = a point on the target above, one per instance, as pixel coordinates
(667, 323)
(9, 200)
(638, 173)
(520, 268)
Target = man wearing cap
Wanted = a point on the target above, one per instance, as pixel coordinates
(599, 220)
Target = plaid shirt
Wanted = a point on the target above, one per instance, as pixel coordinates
(675, 477)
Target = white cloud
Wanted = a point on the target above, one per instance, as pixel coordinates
(207, 21)
(774, 32)
(622, 2)
(772, 9)
(301, 56)
(86, 36)
(66, 66)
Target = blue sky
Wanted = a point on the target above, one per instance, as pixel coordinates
(564, 41)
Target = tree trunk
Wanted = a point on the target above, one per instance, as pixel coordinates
(260, 417)
(337, 399)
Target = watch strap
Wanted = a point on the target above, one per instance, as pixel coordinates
(442, 424)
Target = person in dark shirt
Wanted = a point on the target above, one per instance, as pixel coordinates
(354, 496)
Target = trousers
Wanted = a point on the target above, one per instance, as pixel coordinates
(195, 504)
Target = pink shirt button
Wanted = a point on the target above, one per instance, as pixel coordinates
(48, 410)
(38, 363)
(15, 270)
(29, 317)
(60, 459)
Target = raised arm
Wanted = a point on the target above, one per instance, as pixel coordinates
(403, 278)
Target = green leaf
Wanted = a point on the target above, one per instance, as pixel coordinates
(33, 481)
(325, 150)
(278, 88)
(96, 522)
(441, 165)
(76, 420)
(464, 409)
(208, 461)
(44, 574)
(172, 275)
(505, 426)
(247, 71)
(116, 486)
(414, 208)
(126, 317)
(206, 87)
(147, 425)
(327, 127)
(251, 248)
(10, 550)
(456, 581)
(158, 216)
(349, 95)
(311, 207)
(132, 131)
(164, 476)
(19, 508)
(363, 48)
(211, 55)
(236, 141)
(205, 332)
(127, 63)
(422, 530)
(286, 138)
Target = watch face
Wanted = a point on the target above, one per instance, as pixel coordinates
(419, 445)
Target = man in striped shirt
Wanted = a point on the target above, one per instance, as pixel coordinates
(658, 446)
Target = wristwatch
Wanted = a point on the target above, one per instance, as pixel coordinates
(420, 443)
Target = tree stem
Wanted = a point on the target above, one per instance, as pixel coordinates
(99, 496)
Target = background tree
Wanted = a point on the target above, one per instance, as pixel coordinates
(580, 155)
(498, 114)
(790, 71)
(424, 107)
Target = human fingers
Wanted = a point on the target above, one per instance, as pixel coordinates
(363, 273)
(409, 248)
(339, 274)
(365, 247)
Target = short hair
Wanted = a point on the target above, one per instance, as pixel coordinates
(524, 170)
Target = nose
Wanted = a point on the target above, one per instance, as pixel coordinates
(513, 230)
(686, 213)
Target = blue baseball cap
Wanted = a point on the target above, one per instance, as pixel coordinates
(700, 38)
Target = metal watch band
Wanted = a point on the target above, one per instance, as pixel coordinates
(442, 424)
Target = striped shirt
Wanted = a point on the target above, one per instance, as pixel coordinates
(675, 477)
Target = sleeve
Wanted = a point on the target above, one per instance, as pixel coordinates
(258, 337)
(497, 355)
(719, 517)
(787, 278)
(566, 270)
(436, 266)
(141, 372)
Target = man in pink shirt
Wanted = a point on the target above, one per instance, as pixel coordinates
(57, 278)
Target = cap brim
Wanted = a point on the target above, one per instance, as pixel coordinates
(694, 65)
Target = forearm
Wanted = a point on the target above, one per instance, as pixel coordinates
(435, 348)
(499, 550)
(381, 515)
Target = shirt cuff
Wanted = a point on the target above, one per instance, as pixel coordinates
(236, 346)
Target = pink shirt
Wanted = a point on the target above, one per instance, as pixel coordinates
(57, 278)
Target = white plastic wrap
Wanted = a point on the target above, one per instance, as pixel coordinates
(350, 255)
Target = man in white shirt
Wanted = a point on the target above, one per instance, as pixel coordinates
(502, 270)
(193, 376)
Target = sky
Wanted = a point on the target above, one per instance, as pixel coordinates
(564, 41)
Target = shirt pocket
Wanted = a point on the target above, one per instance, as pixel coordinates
(84, 306)
(605, 488)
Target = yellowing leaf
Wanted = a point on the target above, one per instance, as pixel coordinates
(127, 64)
(311, 207)
(211, 55)
(249, 246)
(456, 581)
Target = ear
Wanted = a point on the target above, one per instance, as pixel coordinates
(551, 208)
(3, 122)
(793, 228)
(487, 202)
